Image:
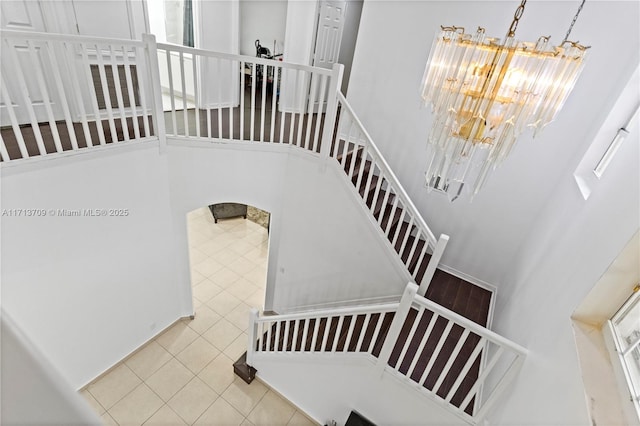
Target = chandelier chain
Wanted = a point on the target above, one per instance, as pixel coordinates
(516, 18)
(575, 18)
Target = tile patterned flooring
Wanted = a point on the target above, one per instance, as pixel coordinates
(185, 375)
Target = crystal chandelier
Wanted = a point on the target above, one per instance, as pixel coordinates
(484, 94)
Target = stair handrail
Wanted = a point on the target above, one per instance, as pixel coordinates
(506, 354)
(392, 178)
(240, 58)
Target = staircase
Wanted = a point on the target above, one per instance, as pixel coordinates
(448, 357)
(95, 93)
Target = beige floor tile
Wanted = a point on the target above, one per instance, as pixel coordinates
(242, 288)
(220, 413)
(197, 303)
(241, 247)
(197, 355)
(246, 422)
(256, 300)
(95, 405)
(223, 303)
(257, 254)
(271, 410)
(213, 246)
(192, 400)
(258, 276)
(239, 316)
(165, 416)
(226, 256)
(178, 337)
(196, 256)
(107, 420)
(136, 407)
(206, 289)
(112, 387)
(148, 360)
(241, 265)
(256, 238)
(207, 267)
(244, 397)
(169, 379)
(299, 419)
(205, 317)
(196, 277)
(222, 334)
(231, 223)
(225, 277)
(237, 347)
(218, 374)
(196, 240)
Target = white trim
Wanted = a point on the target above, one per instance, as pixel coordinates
(24, 165)
(353, 303)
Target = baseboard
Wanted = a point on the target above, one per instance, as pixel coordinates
(132, 353)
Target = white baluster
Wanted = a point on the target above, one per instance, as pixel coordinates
(396, 326)
(252, 332)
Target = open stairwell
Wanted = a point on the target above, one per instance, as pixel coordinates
(448, 358)
(433, 340)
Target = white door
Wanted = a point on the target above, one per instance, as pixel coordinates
(18, 63)
(331, 17)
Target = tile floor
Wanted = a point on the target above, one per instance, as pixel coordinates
(185, 375)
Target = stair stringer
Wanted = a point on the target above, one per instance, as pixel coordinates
(372, 221)
(357, 157)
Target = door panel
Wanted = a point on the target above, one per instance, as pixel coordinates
(18, 59)
(23, 15)
(331, 17)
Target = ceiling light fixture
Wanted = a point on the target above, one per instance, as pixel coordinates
(484, 94)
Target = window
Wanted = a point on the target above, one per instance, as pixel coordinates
(624, 327)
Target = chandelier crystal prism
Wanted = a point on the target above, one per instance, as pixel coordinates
(484, 94)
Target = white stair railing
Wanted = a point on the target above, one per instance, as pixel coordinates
(383, 195)
(65, 93)
(450, 359)
(227, 97)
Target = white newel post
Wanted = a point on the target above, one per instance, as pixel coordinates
(332, 109)
(253, 334)
(156, 91)
(396, 326)
(433, 263)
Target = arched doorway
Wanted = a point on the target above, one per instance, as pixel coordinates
(228, 256)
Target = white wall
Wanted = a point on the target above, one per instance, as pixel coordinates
(571, 245)
(329, 250)
(318, 253)
(90, 290)
(263, 20)
(33, 392)
(329, 388)
(391, 53)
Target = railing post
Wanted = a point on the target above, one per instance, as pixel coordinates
(330, 116)
(156, 90)
(396, 326)
(253, 334)
(433, 264)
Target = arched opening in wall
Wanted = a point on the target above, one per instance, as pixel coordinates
(228, 253)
